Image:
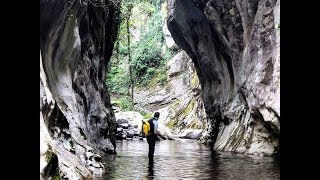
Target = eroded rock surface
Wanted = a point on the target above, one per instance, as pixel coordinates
(76, 42)
(234, 46)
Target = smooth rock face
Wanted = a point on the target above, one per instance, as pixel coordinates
(76, 42)
(168, 38)
(179, 74)
(234, 46)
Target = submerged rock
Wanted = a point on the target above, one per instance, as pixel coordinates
(134, 118)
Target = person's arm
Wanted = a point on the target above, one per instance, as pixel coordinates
(156, 131)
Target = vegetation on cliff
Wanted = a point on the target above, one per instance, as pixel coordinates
(140, 55)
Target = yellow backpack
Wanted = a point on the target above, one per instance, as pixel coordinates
(146, 127)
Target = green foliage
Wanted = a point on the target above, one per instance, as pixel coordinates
(124, 103)
(49, 154)
(118, 80)
(56, 175)
(168, 54)
(160, 76)
(148, 57)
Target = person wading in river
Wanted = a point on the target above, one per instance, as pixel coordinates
(154, 133)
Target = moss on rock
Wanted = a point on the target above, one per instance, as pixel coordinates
(172, 123)
(186, 111)
(195, 124)
(148, 116)
(194, 81)
(48, 154)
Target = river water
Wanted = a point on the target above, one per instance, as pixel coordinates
(186, 159)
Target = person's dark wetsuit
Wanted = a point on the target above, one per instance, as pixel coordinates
(151, 139)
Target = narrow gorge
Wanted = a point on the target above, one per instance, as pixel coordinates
(210, 67)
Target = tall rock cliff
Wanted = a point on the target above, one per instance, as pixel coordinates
(77, 122)
(234, 46)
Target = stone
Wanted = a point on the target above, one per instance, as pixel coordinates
(168, 39)
(133, 117)
(177, 64)
(191, 134)
(232, 12)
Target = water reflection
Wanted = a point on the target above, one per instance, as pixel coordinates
(150, 169)
(186, 159)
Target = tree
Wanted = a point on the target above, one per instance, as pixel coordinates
(128, 15)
